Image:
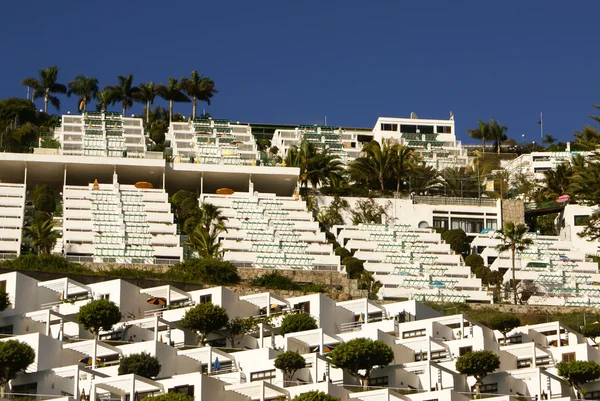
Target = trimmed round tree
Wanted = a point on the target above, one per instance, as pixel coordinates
(170, 397)
(578, 373)
(289, 362)
(297, 322)
(591, 330)
(504, 323)
(97, 315)
(478, 364)
(205, 319)
(142, 364)
(361, 354)
(15, 356)
(315, 396)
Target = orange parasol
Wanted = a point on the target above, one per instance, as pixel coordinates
(225, 191)
(143, 184)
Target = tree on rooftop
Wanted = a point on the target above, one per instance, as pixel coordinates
(296, 322)
(578, 373)
(289, 362)
(361, 355)
(205, 319)
(504, 323)
(85, 88)
(198, 87)
(46, 87)
(142, 364)
(124, 92)
(478, 364)
(15, 356)
(237, 328)
(100, 314)
(481, 132)
(591, 330)
(172, 92)
(513, 238)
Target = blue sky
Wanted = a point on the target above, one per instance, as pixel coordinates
(352, 61)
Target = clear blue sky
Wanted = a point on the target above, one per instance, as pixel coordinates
(352, 61)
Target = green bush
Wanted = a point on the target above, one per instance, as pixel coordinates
(342, 252)
(474, 261)
(354, 267)
(297, 322)
(458, 241)
(208, 271)
(46, 263)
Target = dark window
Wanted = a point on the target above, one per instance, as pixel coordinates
(29, 388)
(582, 220)
(467, 225)
(464, 350)
(3, 286)
(568, 357)
(444, 129)
(592, 395)
(489, 388)
(205, 299)
(7, 329)
(409, 129)
(414, 333)
(426, 129)
(389, 127)
(303, 306)
(189, 390)
(378, 381)
(264, 375)
(440, 222)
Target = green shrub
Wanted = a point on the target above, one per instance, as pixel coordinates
(46, 263)
(342, 252)
(474, 261)
(208, 271)
(458, 241)
(354, 267)
(297, 322)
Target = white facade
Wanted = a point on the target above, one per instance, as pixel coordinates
(119, 224)
(12, 215)
(425, 347)
(208, 141)
(535, 163)
(104, 134)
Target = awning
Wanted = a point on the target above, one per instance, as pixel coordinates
(127, 384)
(87, 348)
(264, 299)
(207, 355)
(66, 287)
(170, 293)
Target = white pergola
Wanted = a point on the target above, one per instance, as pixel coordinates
(362, 307)
(260, 390)
(170, 293)
(93, 348)
(265, 300)
(73, 372)
(154, 323)
(66, 287)
(378, 395)
(311, 338)
(125, 385)
(48, 317)
(207, 355)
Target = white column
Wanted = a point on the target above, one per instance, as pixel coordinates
(155, 327)
(168, 295)
(65, 177)
(94, 352)
(268, 304)
(260, 335)
(92, 393)
(201, 184)
(164, 179)
(76, 393)
(366, 310)
(321, 342)
(209, 360)
(25, 178)
(262, 391)
(558, 342)
(132, 394)
(48, 323)
(534, 364)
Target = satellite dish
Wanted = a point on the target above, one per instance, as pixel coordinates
(413, 116)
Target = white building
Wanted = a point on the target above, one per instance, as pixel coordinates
(535, 163)
(425, 345)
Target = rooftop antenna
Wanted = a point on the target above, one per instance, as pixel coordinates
(413, 116)
(325, 120)
(451, 115)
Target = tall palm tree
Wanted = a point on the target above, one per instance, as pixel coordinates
(173, 93)
(103, 99)
(147, 93)
(513, 239)
(587, 139)
(42, 234)
(497, 133)
(403, 164)
(322, 167)
(558, 181)
(198, 87)
(377, 162)
(481, 132)
(205, 242)
(84, 87)
(123, 93)
(46, 87)
(424, 178)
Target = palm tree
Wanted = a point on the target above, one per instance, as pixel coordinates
(84, 87)
(513, 239)
(42, 234)
(558, 181)
(423, 178)
(146, 95)
(46, 87)
(481, 132)
(205, 242)
(548, 139)
(173, 93)
(124, 92)
(212, 217)
(497, 133)
(404, 163)
(103, 99)
(377, 162)
(321, 168)
(198, 87)
(587, 139)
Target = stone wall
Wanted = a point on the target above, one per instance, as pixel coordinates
(513, 210)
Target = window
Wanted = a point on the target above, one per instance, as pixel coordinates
(568, 357)
(205, 299)
(468, 225)
(105, 296)
(6, 329)
(464, 350)
(378, 381)
(592, 395)
(28, 388)
(264, 375)
(389, 127)
(414, 333)
(489, 388)
(444, 129)
(189, 390)
(303, 306)
(440, 222)
(409, 129)
(582, 220)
